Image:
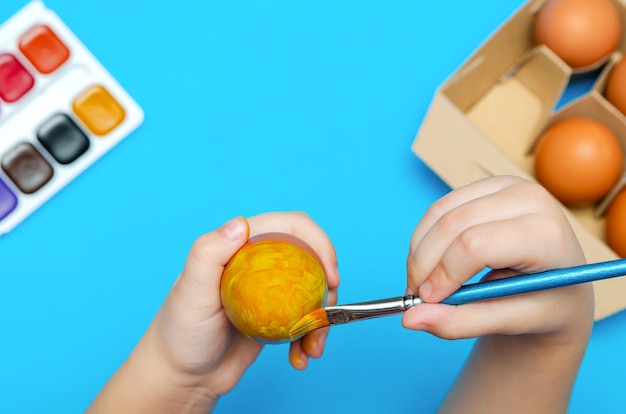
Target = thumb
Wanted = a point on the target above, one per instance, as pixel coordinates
(207, 258)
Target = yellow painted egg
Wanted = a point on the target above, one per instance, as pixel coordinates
(270, 284)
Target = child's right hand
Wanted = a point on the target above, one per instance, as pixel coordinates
(513, 226)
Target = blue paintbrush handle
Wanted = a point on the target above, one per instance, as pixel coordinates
(527, 283)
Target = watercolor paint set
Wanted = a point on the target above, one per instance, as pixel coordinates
(60, 110)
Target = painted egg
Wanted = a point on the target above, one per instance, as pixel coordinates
(270, 284)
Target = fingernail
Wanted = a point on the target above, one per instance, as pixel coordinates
(298, 361)
(425, 290)
(235, 228)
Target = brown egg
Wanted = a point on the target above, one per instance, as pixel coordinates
(616, 224)
(578, 160)
(581, 32)
(615, 91)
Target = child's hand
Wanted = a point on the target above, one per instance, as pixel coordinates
(512, 226)
(191, 354)
(504, 223)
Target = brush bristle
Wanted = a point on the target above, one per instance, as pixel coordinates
(309, 323)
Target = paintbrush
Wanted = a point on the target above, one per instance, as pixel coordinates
(472, 292)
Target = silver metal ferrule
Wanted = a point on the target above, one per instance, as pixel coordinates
(366, 310)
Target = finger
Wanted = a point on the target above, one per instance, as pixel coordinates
(519, 315)
(494, 244)
(455, 198)
(200, 279)
(421, 261)
(497, 245)
(313, 344)
(501, 205)
(332, 297)
(533, 313)
(310, 346)
(302, 226)
(297, 357)
(510, 202)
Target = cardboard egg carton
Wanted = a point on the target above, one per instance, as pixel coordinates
(485, 120)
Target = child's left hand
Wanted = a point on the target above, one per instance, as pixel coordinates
(191, 354)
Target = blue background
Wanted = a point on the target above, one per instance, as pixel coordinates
(252, 106)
